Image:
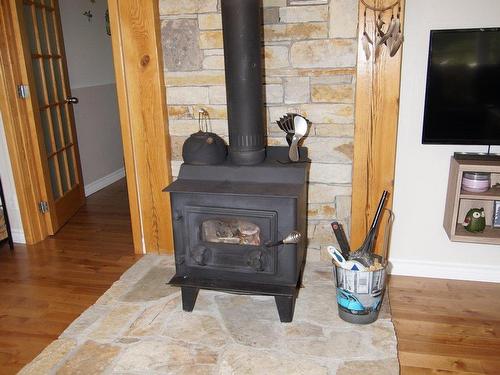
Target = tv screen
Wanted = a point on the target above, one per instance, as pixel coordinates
(462, 100)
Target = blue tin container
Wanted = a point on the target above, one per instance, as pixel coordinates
(359, 294)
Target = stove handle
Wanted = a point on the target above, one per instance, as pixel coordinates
(292, 237)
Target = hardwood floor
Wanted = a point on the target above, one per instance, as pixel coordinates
(443, 326)
(45, 287)
(446, 326)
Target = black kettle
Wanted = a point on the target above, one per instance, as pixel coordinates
(204, 147)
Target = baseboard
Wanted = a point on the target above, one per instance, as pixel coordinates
(104, 181)
(455, 271)
(18, 236)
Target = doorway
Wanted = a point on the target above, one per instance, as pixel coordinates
(141, 96)
(70, 77)
(87, 40)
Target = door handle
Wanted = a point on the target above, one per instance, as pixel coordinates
(71, 100)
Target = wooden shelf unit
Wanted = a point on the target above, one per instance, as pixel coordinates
(458, 202)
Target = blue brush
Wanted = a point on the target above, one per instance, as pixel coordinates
(338, 258)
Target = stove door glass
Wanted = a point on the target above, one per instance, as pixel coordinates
(232, 231)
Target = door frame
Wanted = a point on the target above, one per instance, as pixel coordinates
(135, 30)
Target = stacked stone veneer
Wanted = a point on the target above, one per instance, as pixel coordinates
(309, 57)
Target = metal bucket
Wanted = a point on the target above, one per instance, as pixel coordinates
(359, 294)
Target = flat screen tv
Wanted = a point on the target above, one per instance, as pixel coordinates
(462, 100)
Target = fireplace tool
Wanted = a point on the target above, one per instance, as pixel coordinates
(364, 254)
(295, 126)
(338, 230)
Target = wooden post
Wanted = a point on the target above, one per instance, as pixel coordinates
(140, 85)
(377, 110)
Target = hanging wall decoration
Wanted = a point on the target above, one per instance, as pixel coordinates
(88, 14)
(106, 20)
(386, 35)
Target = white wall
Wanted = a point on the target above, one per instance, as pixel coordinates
(420, 246)
(91, 75)
(9, 189)
(88, 48)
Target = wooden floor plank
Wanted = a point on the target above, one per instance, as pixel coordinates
(443, 326)
(458, 364)
(411, 370)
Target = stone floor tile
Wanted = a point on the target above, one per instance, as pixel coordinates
(163, 355)
(114, 294)
(193, 327)
(151, 321)
(246, 307)
(152, 286)
(381, 335)
(141, 267)
(317, 273)
(84, 321)
(49, 358)
(298, 329)
(339, 346)
(91, 358)
(115, 322)
(381, 367)
(318, 304)
(239, 359)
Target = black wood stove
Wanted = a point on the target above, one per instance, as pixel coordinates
(227, 217)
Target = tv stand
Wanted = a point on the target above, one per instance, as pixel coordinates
(476, 156)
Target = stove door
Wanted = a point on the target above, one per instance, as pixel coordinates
(230, 239)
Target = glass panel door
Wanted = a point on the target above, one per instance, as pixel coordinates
(56, 120)
(45, 47)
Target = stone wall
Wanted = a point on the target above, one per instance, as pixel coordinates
(309, 57)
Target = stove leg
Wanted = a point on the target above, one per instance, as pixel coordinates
(189, 295)
(286, 307)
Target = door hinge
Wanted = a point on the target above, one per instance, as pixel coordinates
(23, 91)
(43, 207)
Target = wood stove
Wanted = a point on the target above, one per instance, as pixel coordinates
(226, 217)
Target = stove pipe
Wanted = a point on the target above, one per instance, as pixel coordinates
(241, 25)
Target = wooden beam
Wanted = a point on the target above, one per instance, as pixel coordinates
(138, 65)
(377, 110)
(20, 129)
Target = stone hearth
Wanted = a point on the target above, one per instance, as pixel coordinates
(138, 327)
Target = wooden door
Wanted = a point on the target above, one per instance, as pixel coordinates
(50, 97)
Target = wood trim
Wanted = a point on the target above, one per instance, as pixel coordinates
(140, 85)
(32, 105)
(64, 209)
(452, 192)
(377, 110)
(18, 123)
